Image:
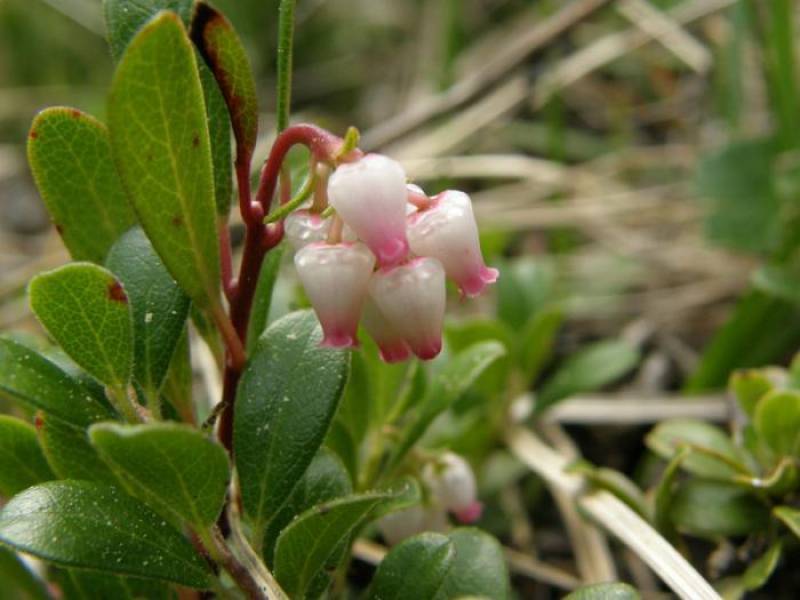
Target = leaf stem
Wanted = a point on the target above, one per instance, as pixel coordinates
(119, 398)
(302, 195)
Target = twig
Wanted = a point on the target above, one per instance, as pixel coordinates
(599, 409)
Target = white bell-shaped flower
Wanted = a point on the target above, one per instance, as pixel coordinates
(392, 346)
(302, 227)
(335, 278)
(412, 298)
(397, 526)
(370, 195)
(447, 231)
(452, 483)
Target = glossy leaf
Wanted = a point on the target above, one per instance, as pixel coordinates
(219, 133)
(70, 158)
(479, 568)
(777, 421)
(28, 377)
(96, 526)
(163, 153)
(262, 299)
(177, 387)
(790, 517)
(78, 584)
(710, 509)
(226, 57)
(69, 452)
(22, 463)
(287, 397)
(175, 469)
(604, 591)
(593, 367)
(158, 306)
(326, 479)
(85, 309)
(712, 452)
(124, 18)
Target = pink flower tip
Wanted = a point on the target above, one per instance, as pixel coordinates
(477, 282)
(339, 339)
(470, 514)
(394, 353)
(391, 251)
(428, 349)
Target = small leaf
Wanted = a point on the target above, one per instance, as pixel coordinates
(710, 509)
(85, 309)
(178, 384)
(782, 479)
(159, 307)
(538, 340)
(790, 517)
(604, 591)
(22, 463)
(326, 479)
(160, 142)
(777, 421)
(125, 18)
(69, 452)
(287, 397)
(262, 299)
(96, 526)
(714, 455)
(313, 542)
(175, 469)
(225, 55)
(749, 386)
(70, 158)
(759, 571)
(219, 134)
(593, 367)
(28, 377)
(479, 568)
(523, 289)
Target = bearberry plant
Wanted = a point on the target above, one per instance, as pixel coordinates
(126, 484)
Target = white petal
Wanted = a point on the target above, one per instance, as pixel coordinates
(447, 231)
(370, 195)
(451, 482)
(392, 346)
(335, 278)
(303, 227)
(412, 297)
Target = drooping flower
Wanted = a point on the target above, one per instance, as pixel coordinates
(448, 232)
(335, 278)
(452, 483)
(304, 227)
(370, 195)
(412, 298)
(393, 348)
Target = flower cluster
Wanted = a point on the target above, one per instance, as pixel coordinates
(451, 488)
(382, 259)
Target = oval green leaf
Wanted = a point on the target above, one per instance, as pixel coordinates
(96, 526)
(22, 463)
(85, 309)
(777, 421)
(158, 306)
(69, 452)
(479, 568)
(429, 556)
(175, 469)
(70, 158)
(605, 591)
(160, 143)
(287, 397)
(124, 19)
(710, 509)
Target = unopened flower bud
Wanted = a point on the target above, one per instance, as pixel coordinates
(397, 526)
(452, 483)
(303, 227)
(335, 278)
(392, 346)
(447, 231)
(412, 298)
(370, 195)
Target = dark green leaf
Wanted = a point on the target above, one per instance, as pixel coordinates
(479, 568)
(710, 509)
(160, 142)
(70, 158)
(429, 556)
(326, 479)
(96, 526)
(219, 132)
(712, 453)
(27, 377)
(604, 591)
(790, 517)
(664, 494)
(78, 584)
(262, 300)
(175, 469)
(287, 397)
(124, 18)
(524, 287)
(22, 463)
(593, 367)
(85, 309)
(777, 421)
(69, 452)
(538, 339)
(19, 583)
(178, 384)
(225, 55)
(159, 307)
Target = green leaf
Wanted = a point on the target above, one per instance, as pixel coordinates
(593, 367)
(28, 377)
(454, 379)
(96, 526)
(326, 479)
(777, 421)
(19, 583)
(70, 158)
(178, 384)
(538, 339)
(604, 591)
(748, 387)
(225, 55)
(22, 463)
(712, 453)
(219, 133)
(664, 494)
(524, 287)
(313, 542)
(780, 480)
(790, 517)
(160, 142)
(262, 299)
(69, 452)
(85, 309)
(710, 509)
(615, 482)
(124, 18)
(159, 307)
(287, 397)
(429, 556)
(479, 568)
(759, 572)
(78, 584)
(175, 469)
